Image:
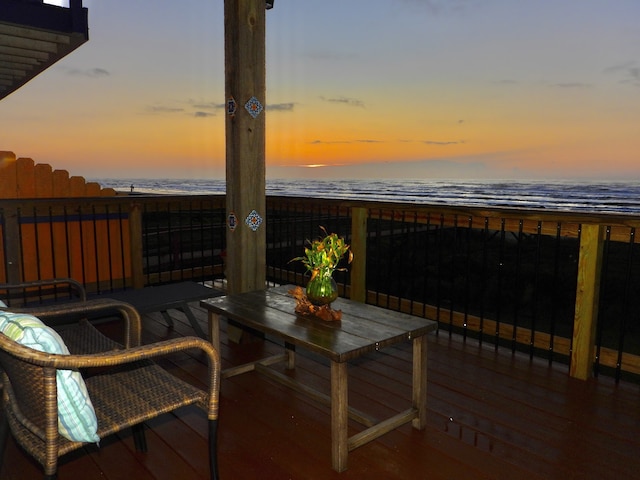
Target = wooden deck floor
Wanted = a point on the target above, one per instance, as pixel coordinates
(492, 415)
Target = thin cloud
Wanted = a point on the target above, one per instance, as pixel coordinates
(159, 109)
(326, 142)
(206, 106)
(280, 107)
(343, 142)
(439, 143)
(204, 109)
(87, 72)
(318, 55)
(578, 85)
(634, 74)
(439, 7)
(629, 72)
(352, 102)
(622, 67)
(193, 109)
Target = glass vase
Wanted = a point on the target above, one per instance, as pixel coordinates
(322, 290)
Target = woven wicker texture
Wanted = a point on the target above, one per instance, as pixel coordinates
(124, 384)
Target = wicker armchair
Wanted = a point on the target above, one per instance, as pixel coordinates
(125, 386)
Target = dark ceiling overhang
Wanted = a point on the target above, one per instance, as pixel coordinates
(34, 36)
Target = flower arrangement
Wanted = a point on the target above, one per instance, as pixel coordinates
(321, 258)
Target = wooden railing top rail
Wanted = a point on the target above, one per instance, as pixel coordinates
(377, 209)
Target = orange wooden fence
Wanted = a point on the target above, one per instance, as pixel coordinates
(67, 235)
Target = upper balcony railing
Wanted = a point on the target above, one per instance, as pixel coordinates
(559, 285)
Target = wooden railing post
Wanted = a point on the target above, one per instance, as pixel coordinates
(359, 249)
(586, 309)
(135, 242)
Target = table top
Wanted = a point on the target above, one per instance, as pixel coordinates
(363, 328)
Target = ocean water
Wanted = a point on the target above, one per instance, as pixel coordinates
(600, 197)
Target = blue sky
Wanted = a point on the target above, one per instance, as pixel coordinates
(355, 88)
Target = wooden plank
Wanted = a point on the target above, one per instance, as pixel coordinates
(92, 189)
(587, 290)
(381, 428)
(359, 249)
(339, 416)
(8, 175)
(60, 188)
(251, 366)
(419, 381)
(43, 180)
(354, 414)
(273, 313)
(245, 79)
(492, 415)
(33, 34)
(76, 186)
(26, 178)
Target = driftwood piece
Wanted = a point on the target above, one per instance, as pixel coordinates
(307, 309)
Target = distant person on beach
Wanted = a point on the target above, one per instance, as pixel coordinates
(132, 187)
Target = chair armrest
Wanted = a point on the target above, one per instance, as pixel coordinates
(28, 288)
(129, 355)
(96, 308)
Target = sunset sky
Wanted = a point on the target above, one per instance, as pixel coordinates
(355, 88)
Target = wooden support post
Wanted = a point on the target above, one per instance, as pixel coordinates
(359, 249)
(244, 24)
(586, 310)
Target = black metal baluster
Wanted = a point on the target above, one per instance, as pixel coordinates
(96, 254)
(467, 275)
(536, 290)
(626, 300)
(517, 289)
(123, 265)
(484, 275)
(501, 272)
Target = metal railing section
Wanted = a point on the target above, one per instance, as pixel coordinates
(510, 277)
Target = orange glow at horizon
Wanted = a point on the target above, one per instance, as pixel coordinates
(543, 96)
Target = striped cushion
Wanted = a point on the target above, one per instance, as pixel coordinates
(76, 417)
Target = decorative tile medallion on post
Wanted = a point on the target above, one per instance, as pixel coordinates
(254, 220)
(232, 221)
(231, 106)
(253, 106)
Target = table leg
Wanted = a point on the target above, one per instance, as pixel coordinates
(192, 320)
(339, 416)
(214, 330)
(420, 381)
(167, 318)
(291, 355)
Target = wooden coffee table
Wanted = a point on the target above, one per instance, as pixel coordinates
(363, 329)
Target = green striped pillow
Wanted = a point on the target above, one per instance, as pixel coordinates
(76, 416)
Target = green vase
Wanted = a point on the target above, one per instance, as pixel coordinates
(322, 290)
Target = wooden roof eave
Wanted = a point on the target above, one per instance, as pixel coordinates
(34, 36)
